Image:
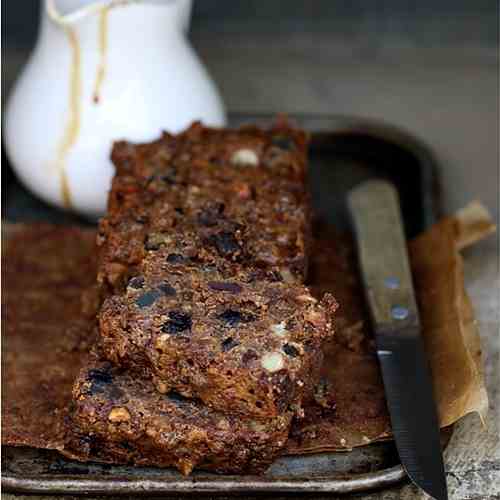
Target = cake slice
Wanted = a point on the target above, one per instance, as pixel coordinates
(241, 344)
(119, 418)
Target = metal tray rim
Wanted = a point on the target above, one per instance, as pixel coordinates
(255, 484)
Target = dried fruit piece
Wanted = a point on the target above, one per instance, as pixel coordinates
(233, 318)
(290, 350)
(166, 289)
(136, 282)
(225, 287)
(228, 344)
(225, 243)
(148, 298)
(178, 322)
(99, 379)
(175, 258)
(177, 398)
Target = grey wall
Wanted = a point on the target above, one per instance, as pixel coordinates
(413, 22)
(367, 27)
(410, 22)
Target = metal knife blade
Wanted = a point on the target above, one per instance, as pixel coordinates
(385, 269)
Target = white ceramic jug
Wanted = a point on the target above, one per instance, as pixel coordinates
(101, 71)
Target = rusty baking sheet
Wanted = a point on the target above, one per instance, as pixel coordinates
(344, 152)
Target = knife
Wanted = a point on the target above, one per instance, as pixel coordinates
(385, 270)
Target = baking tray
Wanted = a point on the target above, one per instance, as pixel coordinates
(344, 151)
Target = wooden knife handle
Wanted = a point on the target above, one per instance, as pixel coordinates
(383, 256)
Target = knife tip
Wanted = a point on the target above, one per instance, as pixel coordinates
(437, 489)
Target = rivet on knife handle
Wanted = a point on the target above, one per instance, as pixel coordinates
(374, 207)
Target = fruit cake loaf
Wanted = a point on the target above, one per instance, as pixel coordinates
(204, 294)
(119, 418)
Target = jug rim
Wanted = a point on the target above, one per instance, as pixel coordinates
(92, 8)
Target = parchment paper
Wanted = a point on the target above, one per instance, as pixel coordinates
(45, 269)
(451, 337)
(44, 334)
